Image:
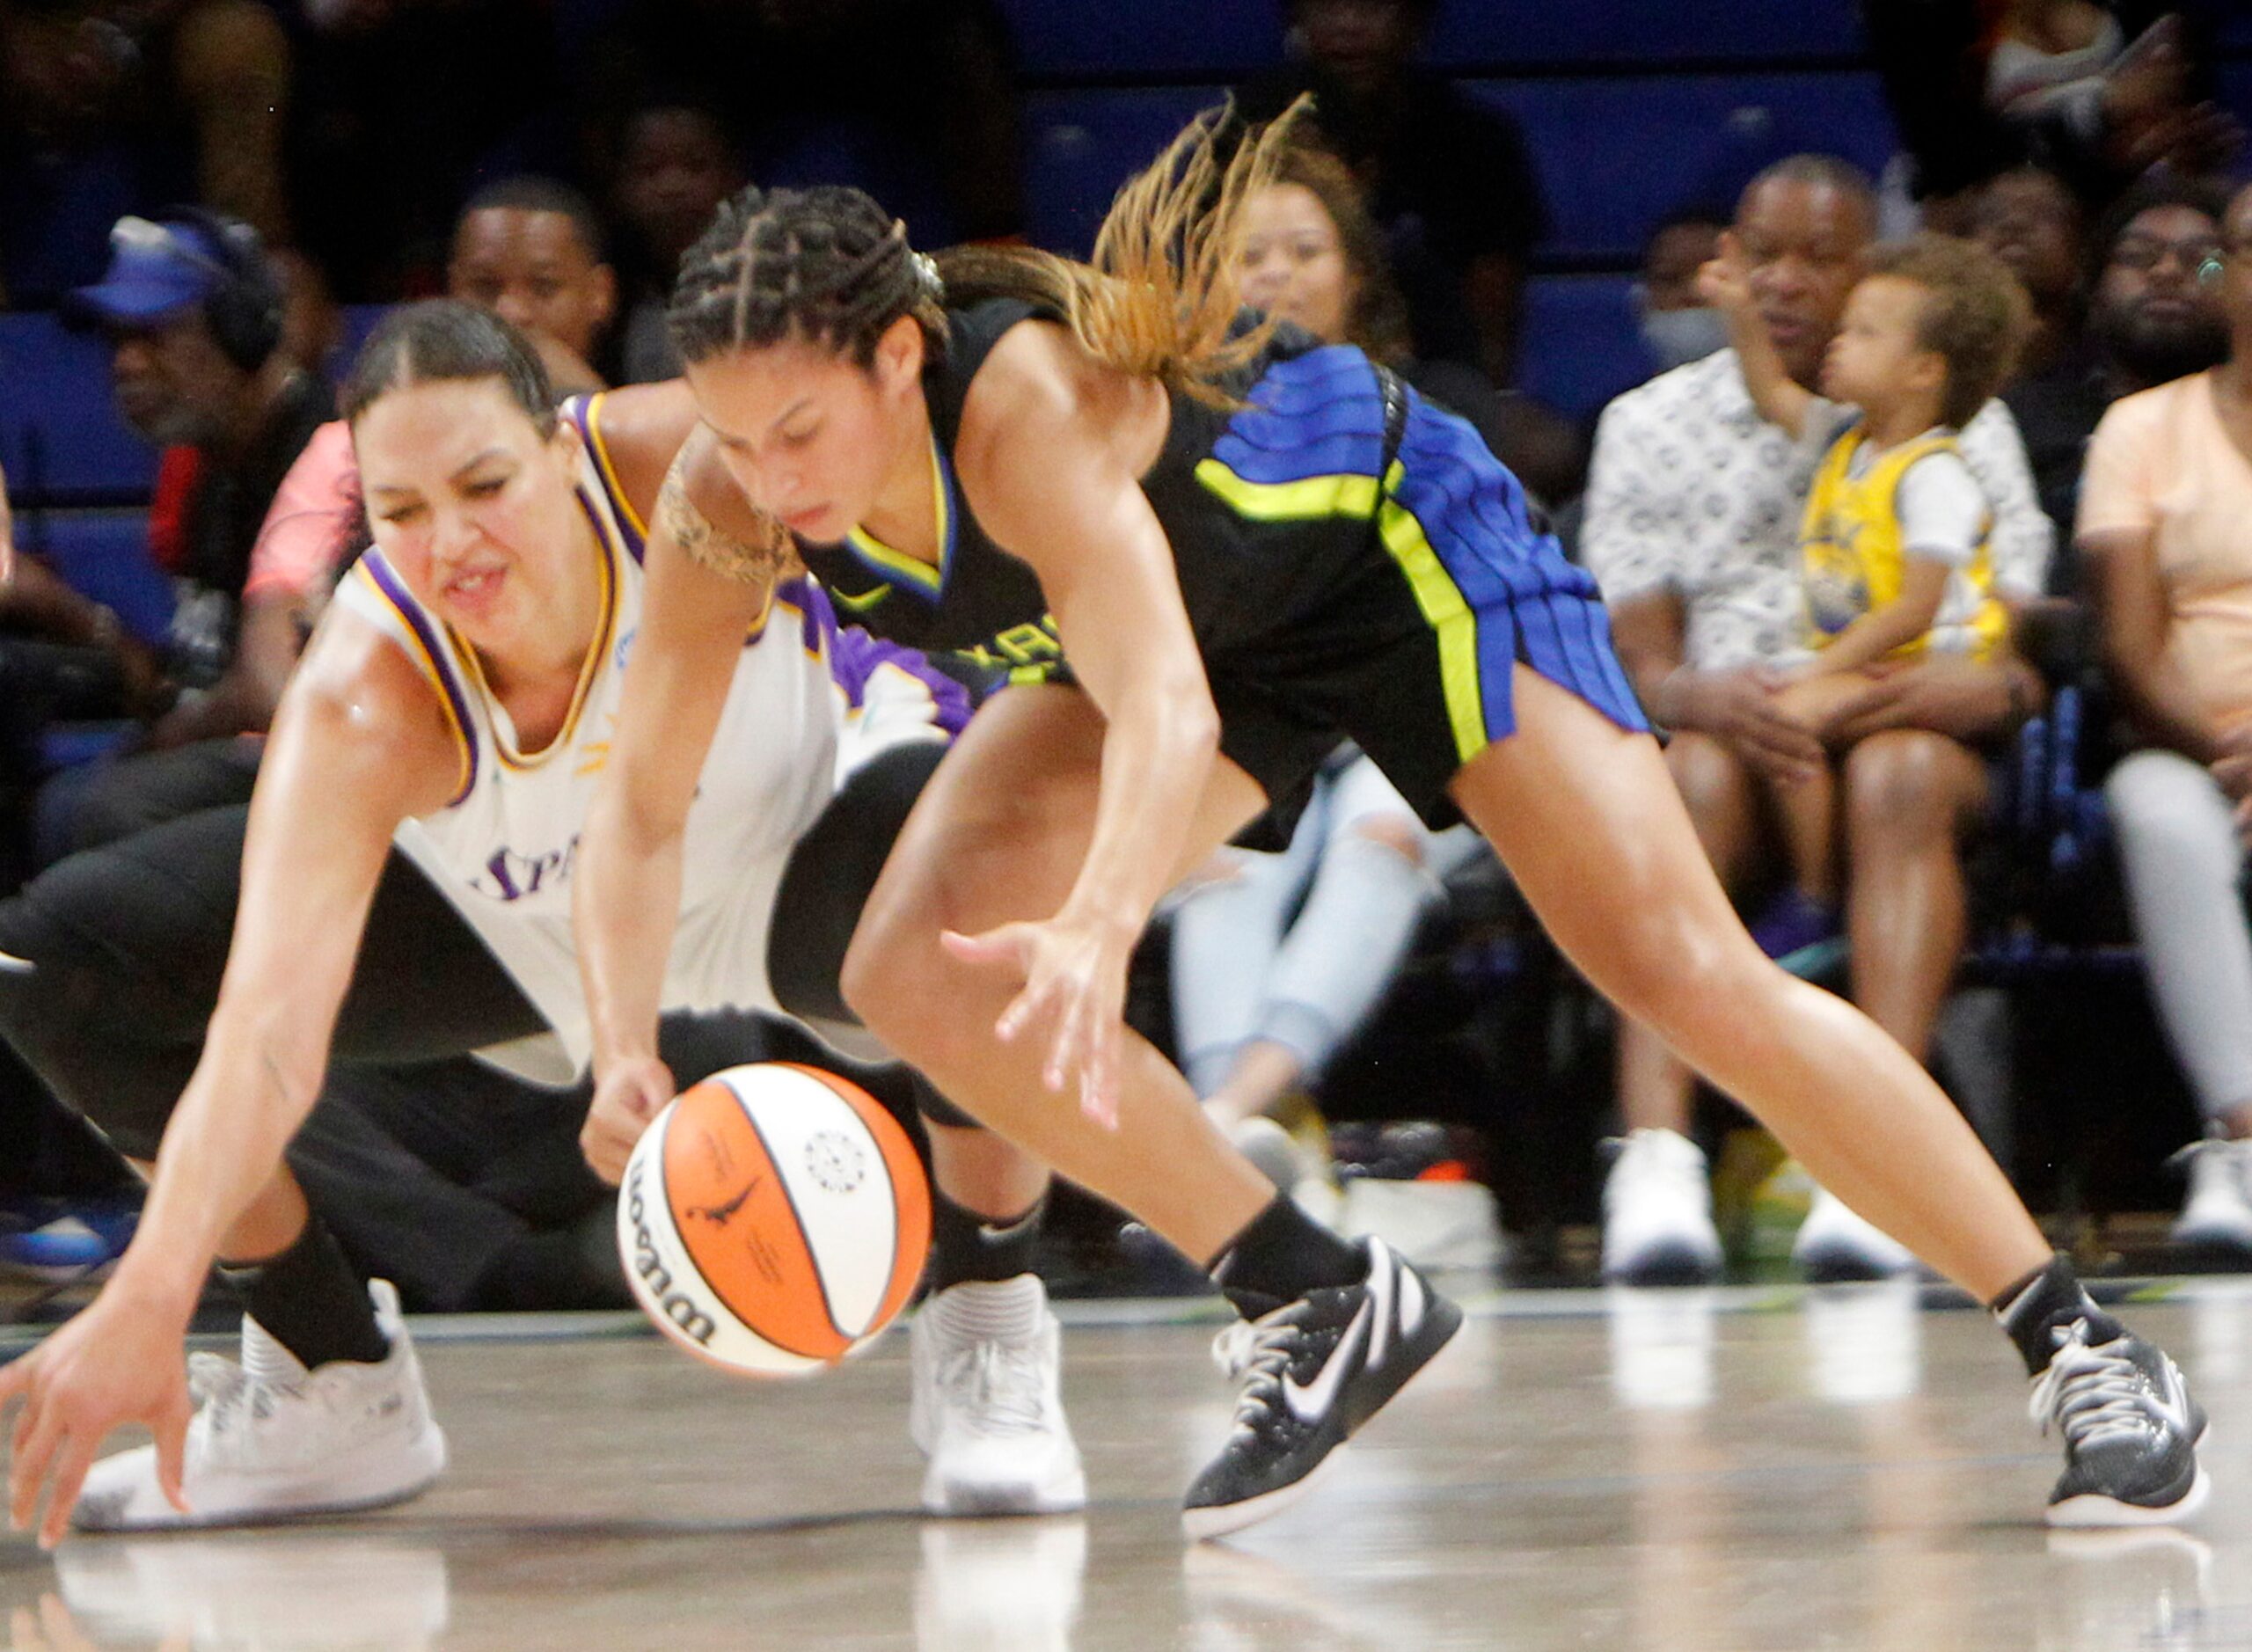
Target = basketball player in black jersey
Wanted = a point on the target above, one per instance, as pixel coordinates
(1250, 547)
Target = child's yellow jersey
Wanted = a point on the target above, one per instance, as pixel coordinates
(1853, 557)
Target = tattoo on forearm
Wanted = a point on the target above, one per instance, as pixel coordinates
(759, 563)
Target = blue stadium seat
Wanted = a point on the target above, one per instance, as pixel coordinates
(104, 554)
(1479, 35)
(1615, 156)
(1180, 39)
(1209, 39)
(61, 440)
(1581, 344)
(1080, 146)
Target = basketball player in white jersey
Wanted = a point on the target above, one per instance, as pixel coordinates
(453, 712)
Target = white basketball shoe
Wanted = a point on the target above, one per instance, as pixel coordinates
(272, 1440)
(1657, 1213)
(2217, 1215)
(988, 1405)
(1834, 1245)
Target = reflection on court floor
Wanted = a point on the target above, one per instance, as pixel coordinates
(1660, 1472)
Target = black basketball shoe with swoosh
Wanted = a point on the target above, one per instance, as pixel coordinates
(2132, 1430)
(1313, 1371)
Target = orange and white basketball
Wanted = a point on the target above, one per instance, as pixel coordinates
(774, 1219)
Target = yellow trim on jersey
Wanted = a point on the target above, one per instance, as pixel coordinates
(1446, 611)
(1851, 559)
(606, 552)
(1354, 498)
(420, 654)
(913, 570)
(608, 470)
(1310, 499)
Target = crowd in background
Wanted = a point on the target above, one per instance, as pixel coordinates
(202, 182)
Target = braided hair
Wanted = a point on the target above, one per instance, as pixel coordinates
(825, 265)
(831, 267)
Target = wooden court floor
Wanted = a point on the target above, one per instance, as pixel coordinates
(1739, 1470)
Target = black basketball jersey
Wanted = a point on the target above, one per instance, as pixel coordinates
(985, 604)
(980, 608)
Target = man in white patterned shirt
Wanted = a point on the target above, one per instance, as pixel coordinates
(1692, 520)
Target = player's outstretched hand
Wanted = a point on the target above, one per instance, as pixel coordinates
(627, 1098)
(121, 1360)
(1074, 976)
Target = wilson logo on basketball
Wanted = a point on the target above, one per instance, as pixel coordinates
(691, 1321)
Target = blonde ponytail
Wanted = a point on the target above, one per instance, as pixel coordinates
(1161, 298)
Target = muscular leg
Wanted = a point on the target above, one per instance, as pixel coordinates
(1655, 1087)
(1585, 817)
(1909, 795)
(999, 836)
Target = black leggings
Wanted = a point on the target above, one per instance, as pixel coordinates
(127, 944)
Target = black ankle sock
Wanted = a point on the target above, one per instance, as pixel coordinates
(2048, 1296)
(309, 1300)
(1281, 1254)
(967, 1247)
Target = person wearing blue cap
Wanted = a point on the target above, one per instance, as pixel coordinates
(192, 310)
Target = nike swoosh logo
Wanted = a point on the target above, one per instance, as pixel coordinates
(1313, 1401)
(14, 965)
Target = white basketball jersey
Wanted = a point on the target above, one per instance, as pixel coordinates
(502, 851)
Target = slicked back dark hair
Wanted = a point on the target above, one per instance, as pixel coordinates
(442, 340)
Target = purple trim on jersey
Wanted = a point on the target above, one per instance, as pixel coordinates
(854, 656)
(395, 591)
(581, 408)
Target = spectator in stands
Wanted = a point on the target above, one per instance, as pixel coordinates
(1448, 179)
(1693, 518)
(914, 100)
(113, 106)
(1678, 327)
(531, 250)
(2030, 218)
(676, 166)
(2151, 315)
(1278, 959)
(2162, 522)
(192, 311)
(1314, 256)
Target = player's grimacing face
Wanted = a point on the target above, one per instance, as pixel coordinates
(807, 434)
(469, 503)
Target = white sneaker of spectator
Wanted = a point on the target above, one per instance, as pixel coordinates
(1834, 1245)
(2218, 1213)
(1657, 1213)
(987, 1407)
(272, 1440)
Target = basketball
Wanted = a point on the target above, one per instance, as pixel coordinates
(774, 1219)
